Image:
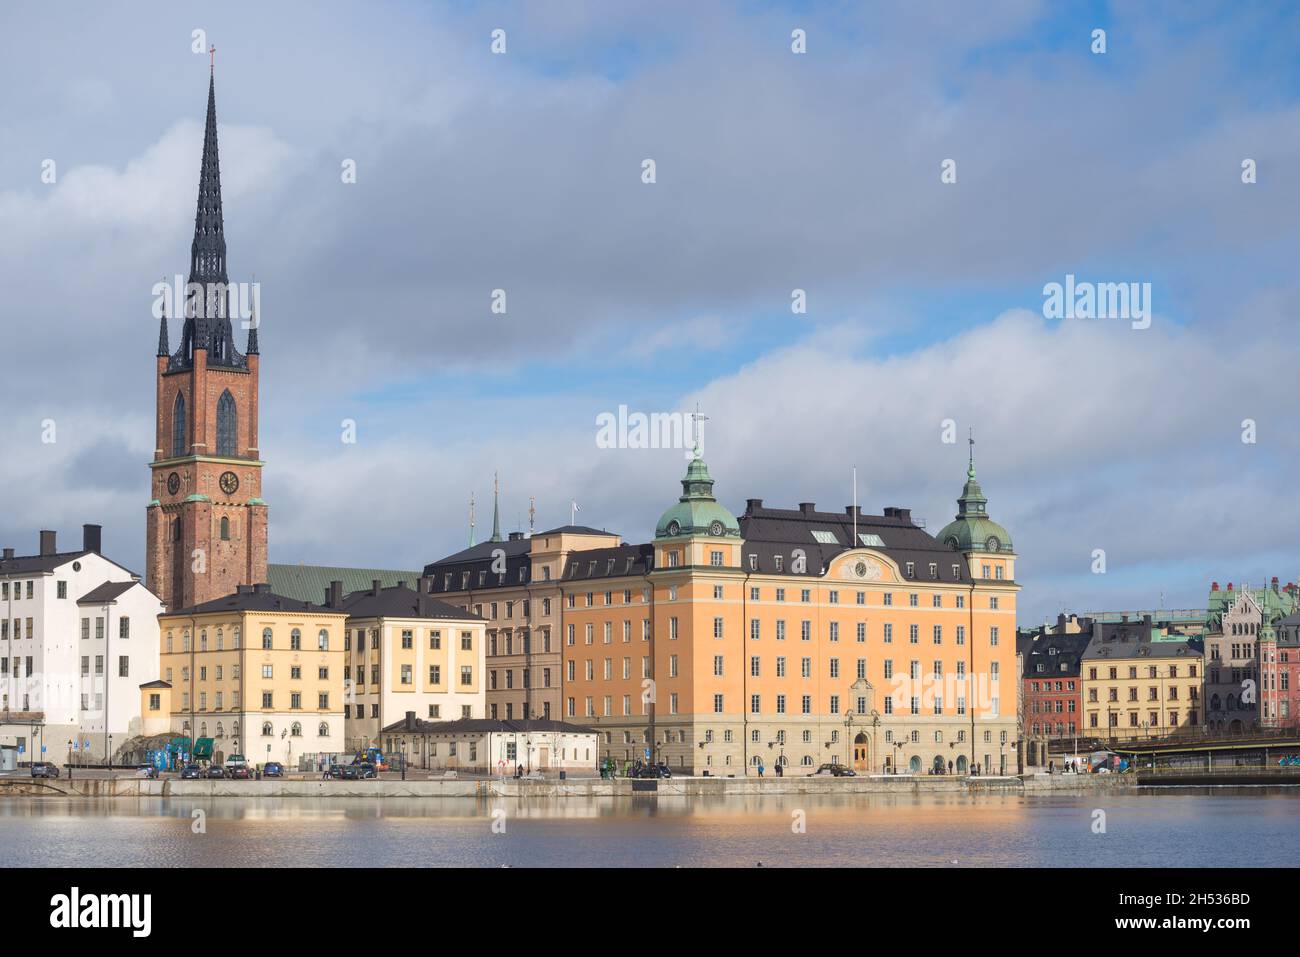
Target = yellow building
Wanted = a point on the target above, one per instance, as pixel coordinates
(257, 674)
(797, 636)
(407, 653)
(1138, 682)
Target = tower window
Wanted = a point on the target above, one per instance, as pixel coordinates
(225, 529)
(178, 425)
(226, 424)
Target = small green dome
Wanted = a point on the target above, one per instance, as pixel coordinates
(972, 530)
(697, 512)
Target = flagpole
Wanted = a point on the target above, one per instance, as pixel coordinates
(855, 506)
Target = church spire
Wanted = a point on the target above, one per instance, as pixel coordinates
(496, 512)
(208, 251)
(163, 350)
(207, 323)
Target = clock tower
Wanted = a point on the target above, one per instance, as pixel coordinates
(206, 518)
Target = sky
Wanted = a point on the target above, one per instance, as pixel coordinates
(1166, 447)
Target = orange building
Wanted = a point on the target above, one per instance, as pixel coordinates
(782, 637)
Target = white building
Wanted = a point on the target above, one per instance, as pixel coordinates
(487, 746)
(78, 635)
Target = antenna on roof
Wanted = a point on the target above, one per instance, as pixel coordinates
(471, 519)
(532, 514)
(855, 507)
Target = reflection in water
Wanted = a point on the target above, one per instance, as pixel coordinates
(1188, 827)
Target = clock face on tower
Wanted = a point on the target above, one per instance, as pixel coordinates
(173, 484)
(229, 483)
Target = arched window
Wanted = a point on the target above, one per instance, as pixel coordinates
(225, 529)
(266, 729)
(324, 730)
(266, 639)
(295, 640)
(234, 730)
(226, 424)
(323, 640)
(178, 425)
(296, 730)
(220, 731)
(203, 730)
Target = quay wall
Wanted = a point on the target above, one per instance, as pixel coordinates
(124, 787)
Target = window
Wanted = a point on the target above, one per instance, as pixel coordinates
(178, 425)
(295, 640)
(323, 640)
(466, 675)
(225, 529)
(226, 428)
(266, 639)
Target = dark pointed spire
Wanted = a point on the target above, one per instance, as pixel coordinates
(252, 331)
(163, 349)
(496, 512)
(208, 251)
(207, 323)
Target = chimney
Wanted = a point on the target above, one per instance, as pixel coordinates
(8, 553)
(1275, 583)
(262, 588)
(904, 514)
(807, 508)
(1229, 586)
(1146, 620)
(1214, 586)
(335, 594)
(401, 584)
(515, 536)
(243, 589)
(375, 586)
(752, 505)
(1060, 623)
(47, 543)
(410, 719)
(90, 538)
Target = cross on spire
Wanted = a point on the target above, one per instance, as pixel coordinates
(212, 59)
(696, 418)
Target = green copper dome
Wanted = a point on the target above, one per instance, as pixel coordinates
(973, 530)
(697, 512)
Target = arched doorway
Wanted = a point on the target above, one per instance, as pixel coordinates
(938, 765)
(861, 753)
(961, 764)
(914, 765)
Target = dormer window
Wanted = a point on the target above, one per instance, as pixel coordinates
(609, 567)
(911, 569)
(753, 563)
(824, 537)
(779, 559)
(934, 570)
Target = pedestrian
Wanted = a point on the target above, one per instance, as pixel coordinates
(779, 773)
(950, 767)
(760, 768)
(1051, 767)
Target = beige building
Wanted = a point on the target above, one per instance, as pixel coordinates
(492, 747)
(514, 583)
(406, 653)
(257, 674)
(1138, 682)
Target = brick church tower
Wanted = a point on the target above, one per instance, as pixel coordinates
(206, 519)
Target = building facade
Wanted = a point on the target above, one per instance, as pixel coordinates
(491, 747)
(79, 633)
(1052, 703)
(1279, 680)
(796, 637)
(1141, 682)
(257, 674)
(514, 584)
(1236, 619)
(206, 520)
(407, 653)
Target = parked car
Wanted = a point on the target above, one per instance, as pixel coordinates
(191, 771)
(45, 769)
(146, 771)
(835, 770)
(273, 769)
(238, 772)
(358, 770)
(215, 771)
(651, 771)
(335, 771)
